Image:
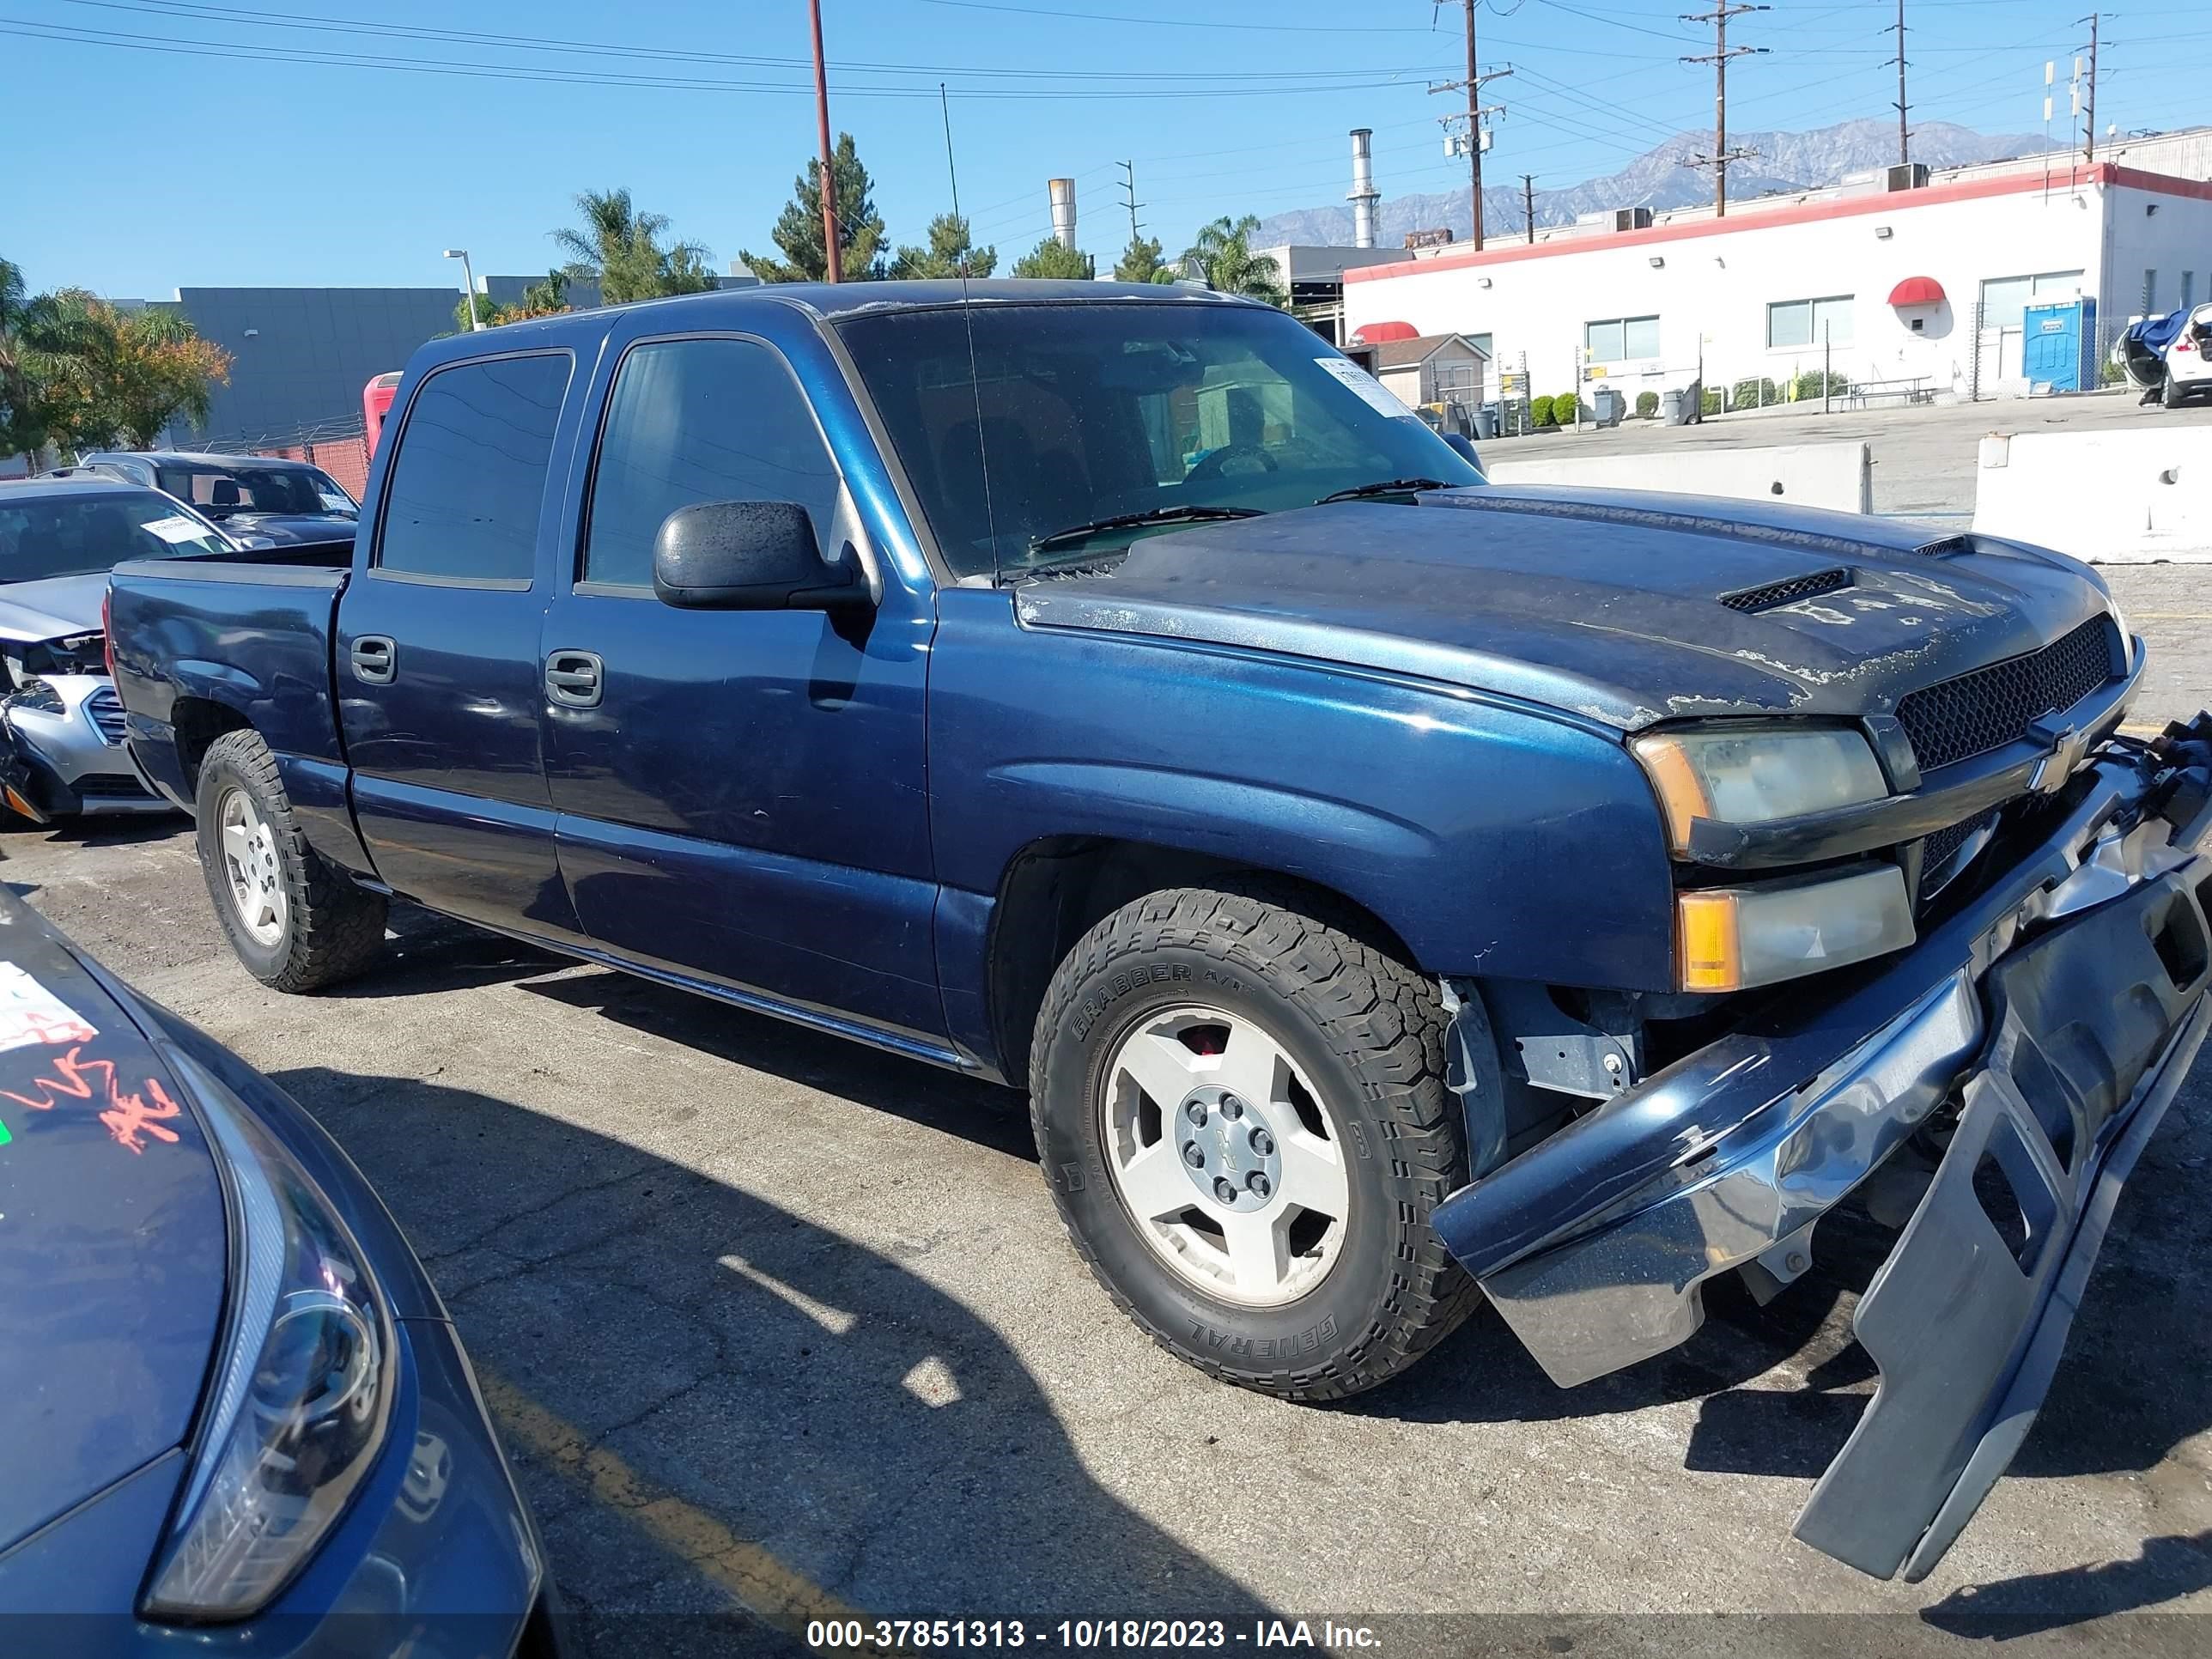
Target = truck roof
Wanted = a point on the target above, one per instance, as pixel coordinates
(819, 301)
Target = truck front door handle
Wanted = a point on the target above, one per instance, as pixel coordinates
(572, 678)
(375, 659)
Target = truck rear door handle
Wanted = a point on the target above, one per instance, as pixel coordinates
(572, 678)
(375, 659)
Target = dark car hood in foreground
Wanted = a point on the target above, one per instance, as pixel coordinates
(113, 1239)
(1603, 603)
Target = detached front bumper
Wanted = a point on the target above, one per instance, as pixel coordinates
(2059, 1010)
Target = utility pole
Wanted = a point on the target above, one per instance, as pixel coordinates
(1718, 58)
(1474, 129)
(2089, 126)
(1129, 191)
(1904, 140)
(1475, 112)
(1528, 203)
(833, 256)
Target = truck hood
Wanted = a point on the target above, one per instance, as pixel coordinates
(113, 1237)
(48, 610)
(290, 527)
(1626, 607)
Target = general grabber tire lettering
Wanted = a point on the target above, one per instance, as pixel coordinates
(1241, 1107)
(297, 923)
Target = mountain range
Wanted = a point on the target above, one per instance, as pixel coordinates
(1659, 178)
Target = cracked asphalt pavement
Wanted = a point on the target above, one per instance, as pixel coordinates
(776, 1327)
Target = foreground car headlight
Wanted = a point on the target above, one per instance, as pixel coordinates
(1729, 938)
(302, 1395)
(1756, 773)
(37, 696)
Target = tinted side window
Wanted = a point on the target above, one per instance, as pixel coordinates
(469, 480)
(698, 420)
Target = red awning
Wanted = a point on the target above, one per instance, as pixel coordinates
(1917, 291)
(1376, 333)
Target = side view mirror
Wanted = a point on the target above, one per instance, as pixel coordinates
(1463, 447)
(747, 556)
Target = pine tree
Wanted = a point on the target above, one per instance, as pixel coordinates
(950, 253)
(1048, 258)
(798, 228)
(1140, 262)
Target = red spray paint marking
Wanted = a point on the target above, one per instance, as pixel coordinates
(129, 1117)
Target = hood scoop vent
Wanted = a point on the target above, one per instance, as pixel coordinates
(1947, 547)
(1780, 593)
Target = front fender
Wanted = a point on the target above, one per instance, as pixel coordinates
(1494, 838)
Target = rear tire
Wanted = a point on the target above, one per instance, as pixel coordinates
(295, 920)
(2170, 395)
(1269, 1223)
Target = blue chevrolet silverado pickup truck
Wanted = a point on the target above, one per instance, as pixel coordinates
(1391, 889)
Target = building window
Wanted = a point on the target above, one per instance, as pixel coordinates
(1622, 338)
(1809, 322)
(2003, 298)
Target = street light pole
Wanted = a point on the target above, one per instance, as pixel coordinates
(469, 282)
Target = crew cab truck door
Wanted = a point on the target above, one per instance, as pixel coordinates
(436, 667)
(740, 794)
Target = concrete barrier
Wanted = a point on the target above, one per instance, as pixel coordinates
(1836, 474)
(2124, 497)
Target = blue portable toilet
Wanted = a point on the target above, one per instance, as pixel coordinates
(2058, 345)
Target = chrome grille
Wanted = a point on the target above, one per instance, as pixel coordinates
(104, 709)
(1958, 719)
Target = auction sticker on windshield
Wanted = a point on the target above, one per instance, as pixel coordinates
(1372, 391)
(30, 1014)
(176, 529)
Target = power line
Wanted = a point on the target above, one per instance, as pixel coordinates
(173, 45)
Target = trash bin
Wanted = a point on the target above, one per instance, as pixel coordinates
(1674, 407)
(1607, 406)
(1485, 422)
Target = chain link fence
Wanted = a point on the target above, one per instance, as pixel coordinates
(339, 447)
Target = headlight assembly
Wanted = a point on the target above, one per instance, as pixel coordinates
(37, 696)
(302, 1395)
(1756, 773)
(1730, 939)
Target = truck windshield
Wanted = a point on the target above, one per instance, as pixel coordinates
(308, 491)
(1141, 415)
(82, 534)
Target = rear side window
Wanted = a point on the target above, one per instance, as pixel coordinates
(469, 481)
(698, 420)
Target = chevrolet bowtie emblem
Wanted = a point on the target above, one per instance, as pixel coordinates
(2067, 747)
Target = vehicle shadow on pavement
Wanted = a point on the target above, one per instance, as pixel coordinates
(425, 953)
(728, 1419)
(968, 1107)
(2170, 1566)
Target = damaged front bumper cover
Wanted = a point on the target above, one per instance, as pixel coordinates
(2061, 1008)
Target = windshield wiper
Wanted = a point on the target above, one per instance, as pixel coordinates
(1188, 514)
(1382, 486)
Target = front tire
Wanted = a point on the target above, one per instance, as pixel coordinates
(1241, 1109)
(295, 921)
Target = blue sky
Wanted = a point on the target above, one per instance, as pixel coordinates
(241, 144)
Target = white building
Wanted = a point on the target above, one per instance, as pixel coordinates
(1919, 289)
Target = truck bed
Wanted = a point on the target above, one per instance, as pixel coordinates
(204, 645)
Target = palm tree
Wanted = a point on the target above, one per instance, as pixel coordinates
(1224, 252)
(619, 248)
